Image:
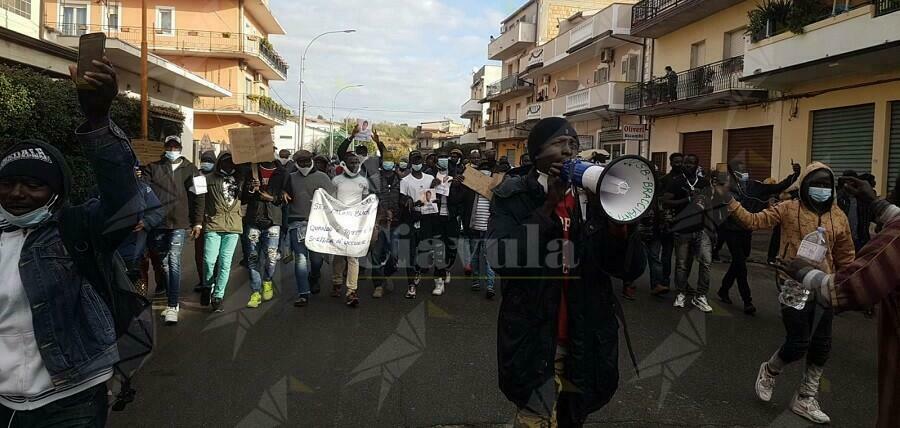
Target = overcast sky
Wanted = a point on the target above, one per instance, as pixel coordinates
(415, 57)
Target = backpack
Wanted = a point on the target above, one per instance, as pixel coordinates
(130, 310)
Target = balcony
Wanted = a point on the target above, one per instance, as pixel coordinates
(471, 109)
(515, 39)
(600, 101)
(468, 138)
(261, 11)
(508, 130)
(507, 88)
(710, 86)
(262, 110)
(864, 39)
(257, 51)
(656, 18)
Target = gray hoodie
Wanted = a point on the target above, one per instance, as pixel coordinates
(301, 188)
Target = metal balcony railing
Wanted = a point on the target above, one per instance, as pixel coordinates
(648, 9)
(884, 7)
(186, 40)
(242, 103)
(500, 125)
(506, 84)
(711, 78)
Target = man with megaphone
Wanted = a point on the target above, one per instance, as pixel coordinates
(558, 325)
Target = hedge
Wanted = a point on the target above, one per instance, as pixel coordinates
(34, 105)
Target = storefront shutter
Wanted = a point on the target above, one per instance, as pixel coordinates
(754, 147)
(894, 159)
(842, 138)
(700, 144)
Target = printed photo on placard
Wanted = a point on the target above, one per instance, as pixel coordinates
(429, 198)
(365, 130)
(444, 187)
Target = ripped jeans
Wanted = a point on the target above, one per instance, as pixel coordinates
(261, 250)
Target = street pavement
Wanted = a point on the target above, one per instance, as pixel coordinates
(432, 362)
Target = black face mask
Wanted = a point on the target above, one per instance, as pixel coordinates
(676, 169)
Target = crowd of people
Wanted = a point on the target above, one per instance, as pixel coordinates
(546, 238)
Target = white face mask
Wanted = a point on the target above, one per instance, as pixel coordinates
(31, 218)
(305, 171)
(347, 170)
(283, 160)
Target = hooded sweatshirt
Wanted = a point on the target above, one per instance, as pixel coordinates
(798, 218)
(220, 207)
(301, 188)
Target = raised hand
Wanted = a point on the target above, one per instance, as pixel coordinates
(96, 99)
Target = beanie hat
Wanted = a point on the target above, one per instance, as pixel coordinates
(545, 131)
(30, 160)
(208, 156)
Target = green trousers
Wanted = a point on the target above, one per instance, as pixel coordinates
(218, 246)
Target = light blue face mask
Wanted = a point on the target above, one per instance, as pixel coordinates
(417, 167)
(443, 163)
(207, 166)
(29, 219)
(743, 176)
(173, 155)
(387, 165)
(404, 165)
(820, 194)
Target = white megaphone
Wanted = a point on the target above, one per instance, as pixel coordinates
(626, 185)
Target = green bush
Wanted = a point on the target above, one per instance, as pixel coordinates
(36, 106)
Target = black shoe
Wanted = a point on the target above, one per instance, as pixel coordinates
(205, 295)
(217, 306)
(749, 309)
(352, 300)
(490, 294)
(723, 296)
(476, 286)
(301, 301)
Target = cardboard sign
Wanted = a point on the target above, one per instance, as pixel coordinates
(252, 145)
(444, 187)
(199, 187)
(480, 183)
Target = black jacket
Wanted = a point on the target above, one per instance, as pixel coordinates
(260, 213)
(527, 325)
(172, 189)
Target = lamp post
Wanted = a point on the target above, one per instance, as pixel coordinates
(331, 122)
(300, 106)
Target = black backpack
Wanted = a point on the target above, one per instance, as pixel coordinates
(130, 310)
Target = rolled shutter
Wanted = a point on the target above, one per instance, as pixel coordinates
(754, 147)
(700, 144)
(894, 159)
(842, 138)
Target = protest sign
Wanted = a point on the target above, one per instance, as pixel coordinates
(251, 145)
(199, 185)
(365, 130)
(340, 229)
(429, 198)
(481, 183)
(444, 187)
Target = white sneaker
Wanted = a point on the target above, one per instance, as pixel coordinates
(679, 300)
(438, 287)
(808, 407)
(765, 383)
(701, 303)
(171, 315)
(447, 279)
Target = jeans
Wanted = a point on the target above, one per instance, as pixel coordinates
(168, 244)
(481, 268)
(307, 264)
(663, 246)
(262, 254)
(739, 244)
(654, 252)
(803, 336)
(218, 246)
(690, 246)
(87, 409)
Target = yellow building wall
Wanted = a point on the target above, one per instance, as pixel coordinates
(674, 49)
(215, 126)
(201, 15)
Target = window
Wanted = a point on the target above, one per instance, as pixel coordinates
(601, 75)
(74, 19)
(19, 7)
(615, 149)
(734, 43)
(630, 65)
(113, 14)
(698, 54)
(165, 20)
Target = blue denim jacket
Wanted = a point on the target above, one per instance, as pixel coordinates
(73, 326)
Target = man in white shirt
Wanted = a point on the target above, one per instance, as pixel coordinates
(350, 188)
(411, 187)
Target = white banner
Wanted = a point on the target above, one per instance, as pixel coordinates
(340, 229)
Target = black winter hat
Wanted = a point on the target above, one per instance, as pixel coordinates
(547, 130)
(28, 159)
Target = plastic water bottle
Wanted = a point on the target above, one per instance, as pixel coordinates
(813, 248)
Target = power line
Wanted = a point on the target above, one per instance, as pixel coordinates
(385, 110)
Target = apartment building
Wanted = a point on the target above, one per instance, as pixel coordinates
(24, 40)
(769, 96)
(433, 135)
(223, 41)
(476, 111)
(532, 25)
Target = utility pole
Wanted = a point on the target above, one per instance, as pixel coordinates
(145, 92)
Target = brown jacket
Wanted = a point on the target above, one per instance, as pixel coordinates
(797, 220)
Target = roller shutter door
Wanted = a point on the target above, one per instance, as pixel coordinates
(700, 144)
(754, 147)
(842, 137)
(894, 159)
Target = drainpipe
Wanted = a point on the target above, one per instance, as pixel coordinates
(645, 119)
(240, 29)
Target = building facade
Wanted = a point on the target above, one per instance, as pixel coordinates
(475, 110)
(224, 41)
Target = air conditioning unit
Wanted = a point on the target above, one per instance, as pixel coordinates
(606, 55)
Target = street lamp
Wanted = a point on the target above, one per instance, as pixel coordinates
(300, 106)
(331, 122)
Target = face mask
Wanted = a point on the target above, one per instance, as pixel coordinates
(820, 194)
(743, 176)
(347, 170)
(283, 160)
(305, 171)
(173, 154)
(207, 166)
(443, 163)
(417, 167)
(404, 165)
(388, 166)
(29, 219)
(227, 173)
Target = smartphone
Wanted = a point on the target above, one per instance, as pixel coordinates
(91, 46)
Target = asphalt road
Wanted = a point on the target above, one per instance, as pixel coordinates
(431, 362)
